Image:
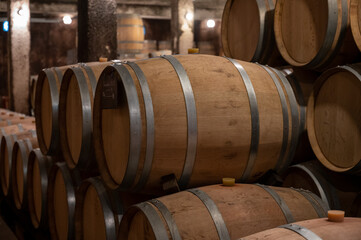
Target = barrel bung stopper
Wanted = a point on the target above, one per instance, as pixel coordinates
(193, 50)
(229, 182)
(336, 215)
(102, 59)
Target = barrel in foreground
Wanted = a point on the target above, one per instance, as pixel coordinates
(315, 229)
(215, 212)
(200, 117)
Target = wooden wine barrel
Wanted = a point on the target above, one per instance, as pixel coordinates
(206, 47)
(313, 229)
(326, 41)
(333, 119)
(19, 170)
(32, 91)
(149, 46)
(144, 129)
(164, 45)
(13, 121)
(247, 31)
(130, 34)
(98, 210)
(302, 82)
(355, 21)
(37, 181)
(62, 186)
(337, 190)
(8, 137)
(46, 111)
(217, 212)
(11, 115)
(75, 114)
(160, 53)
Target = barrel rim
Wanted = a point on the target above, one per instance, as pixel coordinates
(45, 75)
(43, 169)
(70, 185)
(322, 52)
(354, 23)
(259, 50)
(311, 132)
(129, 175)
(19, 145)
(85, 155)
(4, 146)
(110, 220)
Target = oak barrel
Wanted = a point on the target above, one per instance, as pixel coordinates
(130, 34)
(75, 114)
(339, 191)
(219, 212)
(247, 31)
(355, 21)
(9, 135)
(149, 46)
(62, 186)
(147, 126)
(37, 181)
(333, 119)
(314, 34)
(302, 82)
(164, 45)
(19, 170)
(313, 229)
(98, 210)
(46, 110)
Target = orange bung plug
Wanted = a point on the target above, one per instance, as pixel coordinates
(193, 50)
(228, 181)
(336, 215)
(102, 59)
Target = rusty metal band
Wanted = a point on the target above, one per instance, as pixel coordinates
(281, 203)
(135, 124)
(295, 120)
(320, 206)
(304, 232)
(154, 219)
(285, 124)
(254, 119)
(172, 226)
(149, 116)
(214, 212)
(191, 120)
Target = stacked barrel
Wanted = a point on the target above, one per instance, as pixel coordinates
(139, 149)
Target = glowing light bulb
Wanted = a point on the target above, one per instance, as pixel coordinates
(211, 23)
(189, 16)
(6, 26)
(67, 19)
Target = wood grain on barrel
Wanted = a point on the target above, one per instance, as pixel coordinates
(324, 229)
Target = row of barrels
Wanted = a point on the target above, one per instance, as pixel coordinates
(164, 116)
(144, 128)
(58, 199)
(309, 34)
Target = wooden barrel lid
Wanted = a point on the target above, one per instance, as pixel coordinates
(46, 109)
(74, 120)
(19, 179)
(60, 206)
(241, 29)
(93, 216)
(298, 44)
(334, 116)
(37, 193)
